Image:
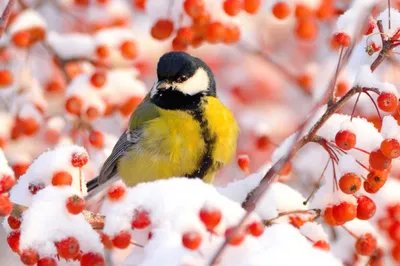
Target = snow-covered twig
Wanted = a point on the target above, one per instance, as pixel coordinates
(5, 16)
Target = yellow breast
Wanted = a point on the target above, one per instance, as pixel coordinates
(173, 144)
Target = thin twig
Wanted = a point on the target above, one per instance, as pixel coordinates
(390, 22)
(5, 17)
(332, 94)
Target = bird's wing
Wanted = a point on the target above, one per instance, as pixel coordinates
(146, 111)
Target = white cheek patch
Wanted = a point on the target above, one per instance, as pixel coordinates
(197, 83)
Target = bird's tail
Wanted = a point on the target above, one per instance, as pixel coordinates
(95, 188)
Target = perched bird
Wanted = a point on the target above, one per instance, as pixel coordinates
(180, 129)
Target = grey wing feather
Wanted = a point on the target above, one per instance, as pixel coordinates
(124, 144)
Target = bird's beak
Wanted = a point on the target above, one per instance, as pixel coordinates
(161, 85)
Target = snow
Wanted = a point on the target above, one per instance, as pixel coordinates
(52, 223)
(313, 231)
(348, 164)
(27, 19)
(390, 128)
(5, 169)
(42, 170)
(71, 45)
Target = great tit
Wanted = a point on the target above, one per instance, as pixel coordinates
(180, 129)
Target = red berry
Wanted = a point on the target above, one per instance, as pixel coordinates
(75, 204)
(141, 219)
(349, 183)
(61, 179)
(20, 169)
(232, 34)
(263, 142)
(297, 221)
(116, 193)
(376, 179)
(21, 39)
(256, 229)
(191, 240)
(79, 159)
(252, 6)
(140, 4)
(235, 239)
(344, 212)
(68, 248)
(343, 39)
(47, 261)
(92, 259)
(306, 29)
(321, 244)
(96, 138)
(74, 105)
(243, 162)
(215, 32)
(5, 205)
(6, 78)
(102, 51)
(387, 102)
(185, 35)
(6, 182)
(129, 105)
(366, 244)
(14, 222)
(29, 257)
(390, 148)
(162, 29)
(232, 7)
(394, 211)
(281, 10)
(378, 161)
(98, 79)
(370, 188)
(345, 139)
(194, 8)
(128, 50)
(92, 113)
(396, 252)
(394, 231)
(34, 188)
(30, 126)
(122, 240)
(13, 240)
(303, 11)
(179, 45)
(366, 208)
(210, 217)
(370, 27)
(106, 240)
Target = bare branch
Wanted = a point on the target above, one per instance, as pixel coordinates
(5, 17)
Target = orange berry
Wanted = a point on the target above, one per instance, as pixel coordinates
(106, 240)
(102, 51)
(378, 161)
(349, 183)
(96, 138)
(366, 208)
(370, 188)
(162, 29)
(342, 87)
(256, 229)
(191, 240)
(20, 169)
(185, 35)
(74, 105)
(6, 78)
(130, 105)
(244, 162)
(47, 261)
(128, 50)
(232, 34)
(306, 29)
(82, 3)
(345, 139)
(29, 126)
(396, 252)
(51, 136)
(286, 169)
(98, 79)
(344, 212)
(215, 32)
(281, 10)
(6, 182)
(194, 8)
(139, 4)
(303, 11)
(251, 6)
(343, 39)
(122, 240)
(21, 39)
(232, 7)
(178, 45)
(377, 178)
(387, 102)
(329, 218)
(322, 244)
(366, 244)
(92, 113)
(390, 148)
(61, 179)
(29, 257)
(326, 10)
(92, 259)
(305, 81)
(54, 86)
(370, 27)
(13, 240)
(5, 205)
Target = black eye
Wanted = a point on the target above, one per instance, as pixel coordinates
(181, 79)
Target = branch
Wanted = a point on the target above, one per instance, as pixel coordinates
(94, 219)
(5, 17)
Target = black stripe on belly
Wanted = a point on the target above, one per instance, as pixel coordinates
(206, 161)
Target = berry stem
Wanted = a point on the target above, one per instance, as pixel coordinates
(376, 107)
(285, 213)
(318, 184)
(350, 232)
(332, 95)
(335, 183)
(362, 165)
(390, 22)
(136, 244)
(354, 107)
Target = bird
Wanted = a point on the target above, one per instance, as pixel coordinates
(180, 129)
